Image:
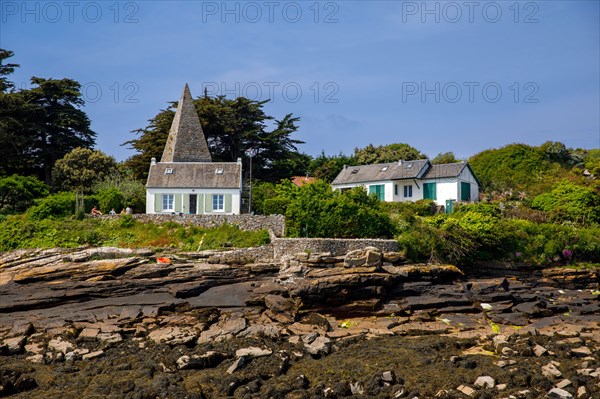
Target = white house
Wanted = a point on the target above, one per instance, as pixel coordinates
(186, 180)
(413, 180)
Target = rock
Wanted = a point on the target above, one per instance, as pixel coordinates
(499, 340)
(320, 346)
(239, 363)
(21, 328)
(283, 310)
(58, 345)
(367, 257)
(485, 382)
(356, 388)
(89, 333)
(550, 371)
(130, 312)
(501, 387)
(581, 391)
(173, 335)
(539, 350)
(14, 345)
(557, 393)
(110, 338)
(252, 352)
(466, 390)
(582, 351)
(38, 358)
(207, 360)
(93, 355)
(388, 377)
(564, 383)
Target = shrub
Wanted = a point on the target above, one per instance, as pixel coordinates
(110, 198)
(18, 192)
(570, 202)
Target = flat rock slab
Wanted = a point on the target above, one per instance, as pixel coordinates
(225, 296)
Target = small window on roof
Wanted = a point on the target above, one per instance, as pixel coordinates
(168, 171)
(384, 169)
(409, 165)
(354, 171)
(219, 171)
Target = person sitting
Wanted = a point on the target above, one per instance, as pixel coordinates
(123, 211)
(96, 212)
(112, 212)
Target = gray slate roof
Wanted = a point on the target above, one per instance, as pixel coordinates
(195, 175)
(449, 170)
(186, 141)
(383, 171)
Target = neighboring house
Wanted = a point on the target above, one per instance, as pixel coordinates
(186, 180)
(413, 180)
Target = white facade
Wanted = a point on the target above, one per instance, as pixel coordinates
(222, 201)
(443, 191)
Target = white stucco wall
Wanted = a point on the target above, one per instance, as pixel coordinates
(182, 193)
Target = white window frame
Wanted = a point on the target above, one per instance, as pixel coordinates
(168, 199)
(220, 202)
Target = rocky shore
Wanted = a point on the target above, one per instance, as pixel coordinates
(121, 323)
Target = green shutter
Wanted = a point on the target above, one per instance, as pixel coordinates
(157, 202)
(465, 191)
(207, 203)
(200, 203)
(178, 202)
(186, 203)
(429, 191)
(227, 202)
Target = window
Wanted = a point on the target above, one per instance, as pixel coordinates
(384, 169)
(395, 189)
(379, 190)
(429, 191)
(465, 191)
(354, 171)
(218, 203)
(168, 171)
(219, 171)
(408, 191)
(167, 202)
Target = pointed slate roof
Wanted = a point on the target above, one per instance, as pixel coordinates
(186, 141)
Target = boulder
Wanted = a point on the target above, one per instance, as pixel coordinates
(320, 346)
(485, 382)
(367, 257)
(252, 352)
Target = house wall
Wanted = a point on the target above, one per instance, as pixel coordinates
(182, 203)
(467, 176)
(417, 190)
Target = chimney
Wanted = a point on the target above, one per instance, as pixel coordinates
(153, 161)
(400, 162)
(239, 160)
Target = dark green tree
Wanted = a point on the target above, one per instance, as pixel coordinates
(81, 169)
(326, 167)
(446, 157)
(387, 153)
(234, 128)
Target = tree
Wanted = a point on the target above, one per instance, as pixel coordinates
(326, 167)
(233, 129)
(446, 157)
(5, 70)
(387, 153)
(40, 125)
(81, 168)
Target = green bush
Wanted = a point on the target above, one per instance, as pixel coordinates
(110, 198)
(570, 202)
(18, 192)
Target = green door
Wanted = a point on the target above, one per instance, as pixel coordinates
(429, 191)
(449, 206)
(465, 191)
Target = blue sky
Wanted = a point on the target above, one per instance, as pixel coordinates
(441, 76)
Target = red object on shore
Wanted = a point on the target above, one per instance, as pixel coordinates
(163, 260)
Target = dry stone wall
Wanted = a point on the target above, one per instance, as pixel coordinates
(334, 246)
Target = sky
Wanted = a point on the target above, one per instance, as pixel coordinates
(460, 76)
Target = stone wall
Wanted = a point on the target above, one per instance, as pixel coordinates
(335, 246)
(274, 223)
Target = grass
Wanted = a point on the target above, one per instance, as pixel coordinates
(18, 232)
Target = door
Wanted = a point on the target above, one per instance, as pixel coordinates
(193, 203)
(449, 206)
